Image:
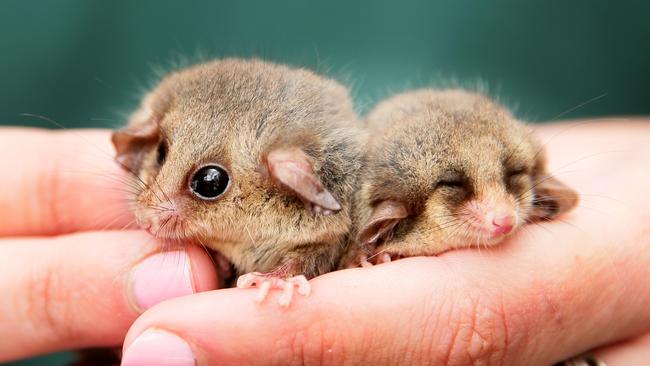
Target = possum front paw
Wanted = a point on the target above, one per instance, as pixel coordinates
(382, 256)
(385, 257)
(267, 281)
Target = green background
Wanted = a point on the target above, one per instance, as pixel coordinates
(85, 63)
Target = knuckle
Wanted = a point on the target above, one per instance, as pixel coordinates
(472, 330)
(317, 343)
(47, 191)
(47, 306)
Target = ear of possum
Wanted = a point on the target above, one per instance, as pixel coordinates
(552, 198)
(385, 216)
(143, 131)
(293, 169)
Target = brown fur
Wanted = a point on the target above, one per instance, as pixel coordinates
(235, 112)
(421, 138)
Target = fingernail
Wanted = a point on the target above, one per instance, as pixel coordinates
(157, 347)
(160, 277)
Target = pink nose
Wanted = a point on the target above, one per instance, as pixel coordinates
(503, 224)
(147, 225)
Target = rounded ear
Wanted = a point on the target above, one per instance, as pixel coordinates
(132, 141)
(292, 168)
(385, 216)
(143, 130)
(552, 198)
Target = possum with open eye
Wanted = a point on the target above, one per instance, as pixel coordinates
(448, 169)
(251, 159)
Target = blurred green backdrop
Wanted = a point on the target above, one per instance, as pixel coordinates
(85, 63)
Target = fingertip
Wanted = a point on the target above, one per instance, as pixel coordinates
(159, 277)
(168, 274)
(158, 347)
(205, 276)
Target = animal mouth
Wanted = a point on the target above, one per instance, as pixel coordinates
(482, 236)
(171, 227)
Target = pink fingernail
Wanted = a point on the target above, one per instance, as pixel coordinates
(160, 277)
(157, 347)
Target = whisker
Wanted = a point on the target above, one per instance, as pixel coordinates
(207, 251)
(579, 106)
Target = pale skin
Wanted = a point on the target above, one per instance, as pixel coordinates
(551, 291)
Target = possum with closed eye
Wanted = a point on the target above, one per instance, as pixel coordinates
(448, 169)
(252, 159)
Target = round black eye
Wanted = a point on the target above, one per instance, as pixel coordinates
(161, 153)
(209, 182)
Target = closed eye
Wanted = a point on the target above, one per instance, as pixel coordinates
(515, 179)
(451, 183)
(161, 153)
(451, 179)
(515, 172)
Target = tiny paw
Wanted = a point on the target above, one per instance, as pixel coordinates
(363, 262)
(266, 282)
(380, 257)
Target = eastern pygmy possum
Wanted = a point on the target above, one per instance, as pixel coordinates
(448, 169)
(255, 160)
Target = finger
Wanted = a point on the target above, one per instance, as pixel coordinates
(56, 182)
(85, 290)
(628, 353)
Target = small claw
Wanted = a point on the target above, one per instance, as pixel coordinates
(304, 288)
(248, 280)
(267, 282)
(384, 258)
(287, 294)
(263, 292)
(363, 260)
(366, 264)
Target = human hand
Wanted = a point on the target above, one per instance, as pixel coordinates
(554, 290)
(70, 277)
(631, 352)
